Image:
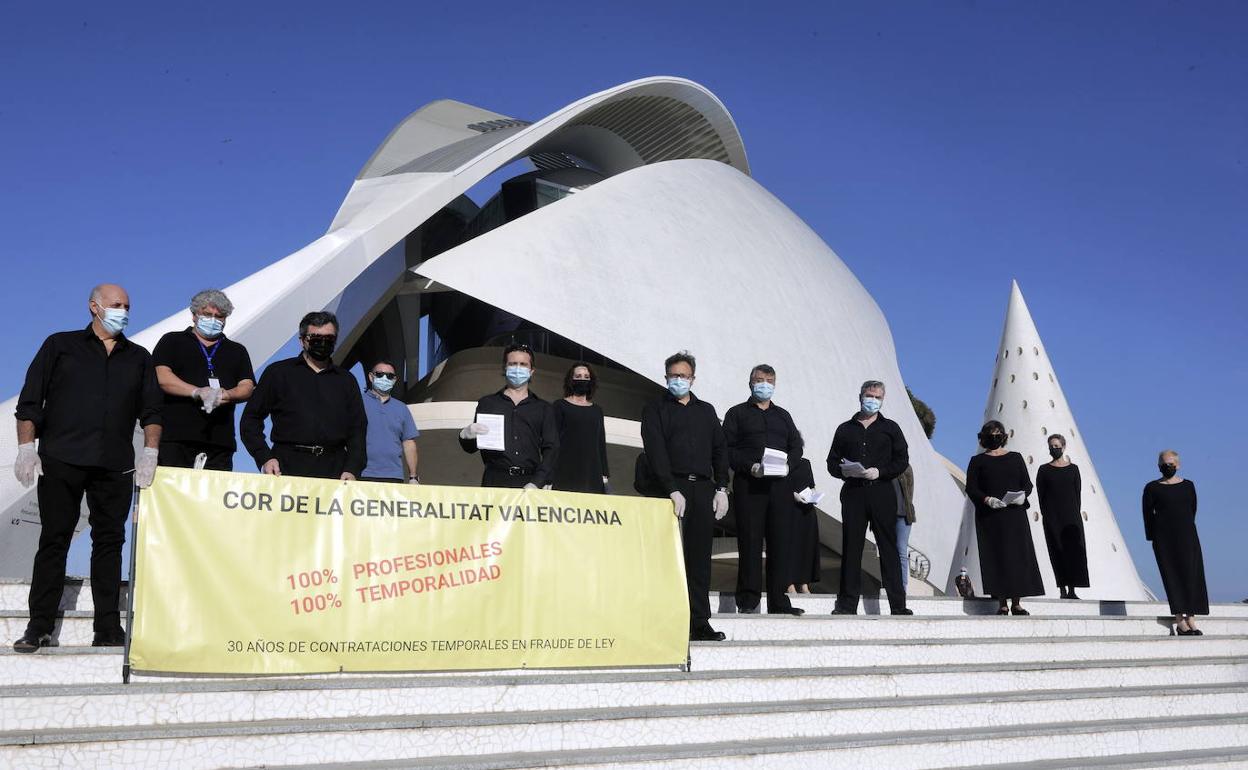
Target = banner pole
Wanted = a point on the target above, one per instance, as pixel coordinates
(134, 550)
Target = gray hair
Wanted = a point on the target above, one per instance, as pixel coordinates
(1058, 437)
(211, 298)
(869, 384)
(1161, 456)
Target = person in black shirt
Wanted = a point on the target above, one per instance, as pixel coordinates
(1059, 490)
(531, 438)
(319, 425)
(582, 464)
(84, 391)
(1169, 505)
(203, 375)
(876, 443)
(685, 447)
(764, 503)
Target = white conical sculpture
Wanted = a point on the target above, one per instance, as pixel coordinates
(1026, 397)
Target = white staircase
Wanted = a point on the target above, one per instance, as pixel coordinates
(1077, 684)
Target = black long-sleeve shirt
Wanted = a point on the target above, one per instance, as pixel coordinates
(84, 400)
(684, 440)
(531, 438)
(880, 445)
(308, 407)
(748, 430)
(995, 475)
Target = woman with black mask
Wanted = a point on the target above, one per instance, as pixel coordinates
(1170, 523)
(997, 483)
(582, 462)
(1058, 487)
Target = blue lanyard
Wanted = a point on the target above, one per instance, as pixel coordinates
(209, 356)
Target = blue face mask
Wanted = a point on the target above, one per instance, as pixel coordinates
(763, 391)
(115, 319)
(518, 375)
(870, 404)
(383, 384)
(210, 328)
(678, 387)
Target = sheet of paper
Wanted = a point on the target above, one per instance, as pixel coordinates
(1014, 498)
(775, 462)
(809, 495)
(853, 470)
(496, 438)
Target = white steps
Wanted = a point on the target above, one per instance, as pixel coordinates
(1079, 683)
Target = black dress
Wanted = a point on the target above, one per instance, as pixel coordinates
(1170, 522)
(1058, 489)
(804, 545)
(1007, 557)
(582, 460)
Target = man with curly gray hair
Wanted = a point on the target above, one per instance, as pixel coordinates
(203, 375)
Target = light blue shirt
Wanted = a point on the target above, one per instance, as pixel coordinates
(389, 425)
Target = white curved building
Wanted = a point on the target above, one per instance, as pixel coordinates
(638, 232)
(1027, 399)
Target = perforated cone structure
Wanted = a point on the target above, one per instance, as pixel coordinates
(1026, 397)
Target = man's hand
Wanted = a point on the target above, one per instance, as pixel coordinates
(720, 504)
(472, 431)
(210, 398)
(679, 501)
(756, 470)
(871, 474)
(145, 467)
(27, 467)
(346, 476)
(272, 468)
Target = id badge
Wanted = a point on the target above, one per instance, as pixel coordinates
(213, 382)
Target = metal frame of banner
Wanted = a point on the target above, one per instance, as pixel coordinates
(134, 550)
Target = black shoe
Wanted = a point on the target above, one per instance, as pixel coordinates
(789, 611)
(707, 634)
(1072, 594)
(109, 639)
(1018, 611)
(756, 609)
(902, 611)
(839, 611)
(31, 642)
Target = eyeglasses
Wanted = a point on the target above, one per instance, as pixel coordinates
(314, 337)
(384, 375)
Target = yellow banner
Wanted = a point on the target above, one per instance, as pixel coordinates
(250, 574)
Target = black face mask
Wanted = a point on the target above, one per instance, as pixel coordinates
(994, 441)
(1056, 452)
(321, 348)
(581, 387)
(1167, 470)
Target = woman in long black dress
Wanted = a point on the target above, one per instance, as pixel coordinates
(1007, 557)
(582, 462)
(1058, 487)
(804, 548)
(1170, 523)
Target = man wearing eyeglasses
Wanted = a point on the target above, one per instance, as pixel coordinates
(319, 424)
(203, 375)
(530, 435)
(391, 430)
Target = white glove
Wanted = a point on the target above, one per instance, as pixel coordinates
(472, 431)
(679, 501)
(530, 485)
(756, 470)
(848, 473)
(209, 398)
(994, 502)
(720, 504)
(27, 467)
(871, 474)
(145, 467)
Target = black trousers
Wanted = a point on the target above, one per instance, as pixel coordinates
(294, 462)
(765, 511)
(60, 492)
(696, 530)
(496, 477)
(181, 454)
(875, 504)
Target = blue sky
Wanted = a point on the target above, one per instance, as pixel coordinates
(1096, 152)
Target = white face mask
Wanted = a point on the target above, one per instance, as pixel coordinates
(114, 319)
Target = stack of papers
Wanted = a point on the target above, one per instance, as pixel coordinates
(497, 437)
(775, 462)
(1014, 498)
(853, 470)
(809, 495)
